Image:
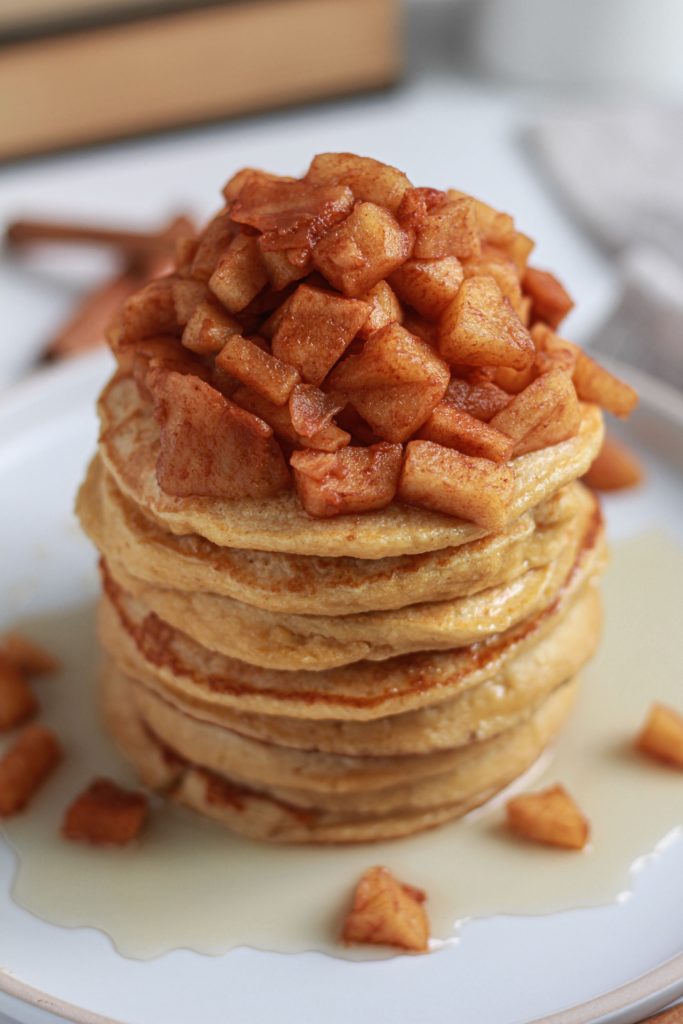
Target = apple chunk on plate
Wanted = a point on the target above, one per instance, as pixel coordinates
(362, 250)
(394, 383)
(348, 481)
(211, 447)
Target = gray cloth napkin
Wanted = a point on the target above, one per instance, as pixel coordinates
(621, 171)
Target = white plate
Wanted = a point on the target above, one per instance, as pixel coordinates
(614, 963)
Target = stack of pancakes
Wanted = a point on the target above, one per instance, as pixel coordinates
(337, 680)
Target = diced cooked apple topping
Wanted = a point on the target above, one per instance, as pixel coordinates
(365, 328)
(368, 179)
(387, 912)
(210, 446)
(365, 248)
(394, 383)
(479, 327)
(316, 329)
(348, 481)
(447, 481)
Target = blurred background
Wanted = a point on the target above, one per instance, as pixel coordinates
(131, 114)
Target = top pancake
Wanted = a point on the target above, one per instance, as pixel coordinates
(129, 445)
(309, 585)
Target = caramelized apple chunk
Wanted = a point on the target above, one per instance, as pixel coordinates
(214, 240)
(29, 657)
(365, 248)
(187, 295)
(503, 272)
(448, 228)
(394, 383)
(290, 214)
(596, 384)
(387, 912)
(550, 301)
(453, 428)
(315, 330)
(662, 735)
(148, 312)
(105, 814)
(312, 413)
(25, 766)
(239, 275)
(369, 180)
(551, 817)
(384, 309)
(346, 482)
(208, 329)
(445, 480)
(211, 447)
(258, 369)
(285, 266)
(616, 467)
(481, 400)
(428, 285)
(544, 413)
(17, 700)
(479, 327)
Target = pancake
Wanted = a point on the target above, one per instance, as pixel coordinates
(129, 446)
(309, 585)
(478, 712)
(289, 642)
(153, 650)
(293, 815)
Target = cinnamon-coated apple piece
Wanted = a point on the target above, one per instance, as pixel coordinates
(596, 384)
(449, 229)
(503, 272)
(428, 285)
(162, 353)
(247, 361)
(479, 327)
(148, 312)
(315, 330)
(362, 250)
(212, 243)
(349, 481)
(550, 300)
(394, 383)
(211, 447)
(445, 480)
(290, 214)
(384, 308)
(454, 428)
(553, 352)
(187, 295)
(387, 912)
(234, 185)
(276, 416)
(312, 413)
(239, 275)
(285, 266)
(369, 180)
(481, 400)
(615, 468)
(551, 816)
(208, 329)
(544, 413)
(494, 226)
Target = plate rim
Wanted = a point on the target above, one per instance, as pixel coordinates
(646, 993)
